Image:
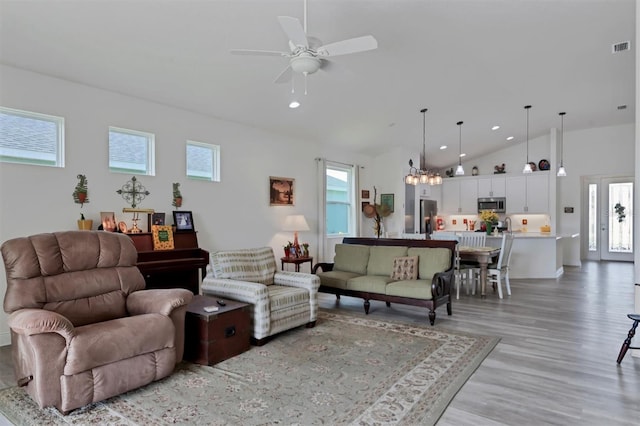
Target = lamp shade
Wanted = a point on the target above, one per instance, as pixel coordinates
(295, 222)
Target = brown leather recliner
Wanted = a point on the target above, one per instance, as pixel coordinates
(83, 328)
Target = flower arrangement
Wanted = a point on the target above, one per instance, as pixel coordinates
(489, 216)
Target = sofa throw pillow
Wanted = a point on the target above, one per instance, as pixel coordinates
(405, 268)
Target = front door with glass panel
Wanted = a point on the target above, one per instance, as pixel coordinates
(609, 206)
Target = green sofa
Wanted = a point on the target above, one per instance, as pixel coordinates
(372, 269)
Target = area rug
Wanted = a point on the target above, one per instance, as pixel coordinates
(346, 370)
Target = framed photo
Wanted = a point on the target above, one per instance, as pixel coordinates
(108, 220)
(183, 221)
(365, 194)
(157, 219)
(162, 237)
(282, 191)
(122, 227)
(387, 200)
(364, 204)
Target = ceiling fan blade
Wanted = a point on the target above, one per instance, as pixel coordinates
(285, 75)
(293, 29)
(352, 45)
(257, 52)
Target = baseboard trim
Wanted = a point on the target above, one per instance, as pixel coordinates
(5, 338)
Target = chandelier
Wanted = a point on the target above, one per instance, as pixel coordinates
(422, 175)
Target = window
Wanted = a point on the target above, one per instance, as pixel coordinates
(203, 161)
(31, 138)
(340, 200)
(131, 151)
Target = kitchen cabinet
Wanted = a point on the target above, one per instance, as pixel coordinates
(450, 196)
(460, 195)
(538, 193)
(528, 193)
(492, 186)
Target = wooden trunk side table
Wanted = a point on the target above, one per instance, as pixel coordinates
(297, 261)
(211, 337)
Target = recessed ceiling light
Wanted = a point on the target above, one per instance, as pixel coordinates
(495, 127)
(294, 104)
(443, 147)
(463, 155)
(510, 138)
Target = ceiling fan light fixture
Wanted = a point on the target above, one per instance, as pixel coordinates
(305, 63)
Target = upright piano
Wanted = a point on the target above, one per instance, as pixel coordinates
(182, 267)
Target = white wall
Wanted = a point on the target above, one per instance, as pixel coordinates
(231, 214)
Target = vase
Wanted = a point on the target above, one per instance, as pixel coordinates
(85, 224)
(489, 226)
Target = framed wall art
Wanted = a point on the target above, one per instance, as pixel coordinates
(183, 221)
(282, 191)
(387, 200)
(365, 194)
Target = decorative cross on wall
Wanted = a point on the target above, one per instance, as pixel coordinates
(133, 192)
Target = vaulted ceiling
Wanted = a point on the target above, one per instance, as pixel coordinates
(477, 61)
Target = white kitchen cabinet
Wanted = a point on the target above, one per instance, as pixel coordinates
(459, 195)
(469, 196)
(491, 186)
(528, 193)
(538, 193)
(450, 196)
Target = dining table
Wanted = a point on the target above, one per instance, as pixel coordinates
(483, 256)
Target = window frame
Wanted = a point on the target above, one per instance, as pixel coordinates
(59, 143)
(351, 195)
(150, 146)
(215, 160)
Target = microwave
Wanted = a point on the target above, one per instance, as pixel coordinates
(497, 204)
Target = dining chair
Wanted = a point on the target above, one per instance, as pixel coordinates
(472, 239)
(497, 271)
(459, 276)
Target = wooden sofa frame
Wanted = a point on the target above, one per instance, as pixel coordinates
(441, 284)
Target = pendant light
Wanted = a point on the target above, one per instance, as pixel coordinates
(422, 175)
(459, 169)
(527, 166)
(561, 171)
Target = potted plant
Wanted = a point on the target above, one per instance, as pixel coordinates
(84, 224)
(80, 196)
(177, 196)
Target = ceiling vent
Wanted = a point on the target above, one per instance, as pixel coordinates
(620, 47)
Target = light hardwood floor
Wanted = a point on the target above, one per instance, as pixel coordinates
(556, 361)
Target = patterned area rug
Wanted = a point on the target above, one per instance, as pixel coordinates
(346, 370)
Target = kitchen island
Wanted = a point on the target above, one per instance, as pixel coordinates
(533, 255)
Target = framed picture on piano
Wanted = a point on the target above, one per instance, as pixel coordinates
(183, 220)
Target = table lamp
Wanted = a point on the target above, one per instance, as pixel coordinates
(295, 223)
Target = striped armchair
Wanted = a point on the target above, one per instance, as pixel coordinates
(281, 300)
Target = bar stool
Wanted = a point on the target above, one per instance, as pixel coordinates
(627, 341)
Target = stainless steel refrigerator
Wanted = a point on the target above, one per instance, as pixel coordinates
(428, 212)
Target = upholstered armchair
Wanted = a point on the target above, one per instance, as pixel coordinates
(83, 328)
(281, 300)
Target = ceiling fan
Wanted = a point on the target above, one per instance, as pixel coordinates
(307, 54)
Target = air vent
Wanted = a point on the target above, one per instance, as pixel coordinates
(620, 47)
